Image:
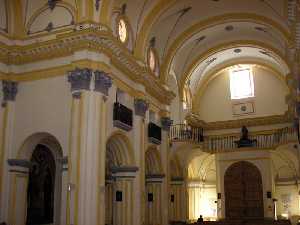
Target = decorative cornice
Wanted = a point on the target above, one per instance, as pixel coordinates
(19, 162)
(194, 120)
(140, 107)
(80, 79)
(103, 82)
(10, 90)
(94, 39)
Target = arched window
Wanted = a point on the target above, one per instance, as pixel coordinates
(241, 83)
(152, 60)
(122, 30)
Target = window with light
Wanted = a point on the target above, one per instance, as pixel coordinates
(241, 83)
(122, 30)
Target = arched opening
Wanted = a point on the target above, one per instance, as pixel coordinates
(243, 192)
(40, 193)
(154, 179)
(177, 197)
(119, 174)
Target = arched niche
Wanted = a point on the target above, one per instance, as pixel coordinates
(119, 173)
(29, 152)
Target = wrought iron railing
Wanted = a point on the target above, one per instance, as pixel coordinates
(215, 143)
(183, 132)
(262, 140)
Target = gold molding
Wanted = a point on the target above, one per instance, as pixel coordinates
(150, 20)
(213, 21)
(105, 12)
(3, 143)
(94, 41)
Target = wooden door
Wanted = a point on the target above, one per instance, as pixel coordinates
(243, 192)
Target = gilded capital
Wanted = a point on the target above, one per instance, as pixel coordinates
(103, 82)
(79, 79)
(10, 90)
(166, 123)
(140, 107)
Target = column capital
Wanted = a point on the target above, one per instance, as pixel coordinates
(80, 79)
(103, 82)
(166, 123)
(140, 107)
(10, 90)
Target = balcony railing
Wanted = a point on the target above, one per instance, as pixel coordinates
(183, 133)
(122, 117)
(262, 140)
(216, 143)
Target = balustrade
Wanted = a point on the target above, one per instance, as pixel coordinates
(214, 143)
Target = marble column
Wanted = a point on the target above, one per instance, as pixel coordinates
(166, 123)
(140, 106)
(87, 147)
(7, 113)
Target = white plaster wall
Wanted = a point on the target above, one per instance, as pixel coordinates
(261, 159)
(43, 106)
(270, 92)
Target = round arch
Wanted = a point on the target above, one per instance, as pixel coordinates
(153, 161)
(217, 20)
(119, 150)
(230, 45)
(26, 152)
(212, 74)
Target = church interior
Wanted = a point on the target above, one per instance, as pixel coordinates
(149, 112)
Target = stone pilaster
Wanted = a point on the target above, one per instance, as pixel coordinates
(140, 108)
(7, 114)
(166, 123)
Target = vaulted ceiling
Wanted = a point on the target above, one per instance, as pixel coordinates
(192, 38)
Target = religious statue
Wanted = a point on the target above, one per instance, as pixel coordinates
(244, 140)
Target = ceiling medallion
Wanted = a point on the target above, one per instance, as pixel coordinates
(229, 28)
(237, 50)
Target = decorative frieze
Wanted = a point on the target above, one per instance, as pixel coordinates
(10, 90)
(96, 39)
(80, 79)
(166, 123)
(140, 107)
(103, 82)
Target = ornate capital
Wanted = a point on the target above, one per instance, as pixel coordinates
(166, 123)
(103, 82)
(80, 79)
(140, 107)
(10, 90)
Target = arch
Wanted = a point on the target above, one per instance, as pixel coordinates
(153, 164)
(119, 151)
(217, 20)
(243, 191)
(26, 152)
(175, 168)
(211, 75)
(69, 8)
(225, 46)
(146, 27)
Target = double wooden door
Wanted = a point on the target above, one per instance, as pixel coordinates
(243, 192)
